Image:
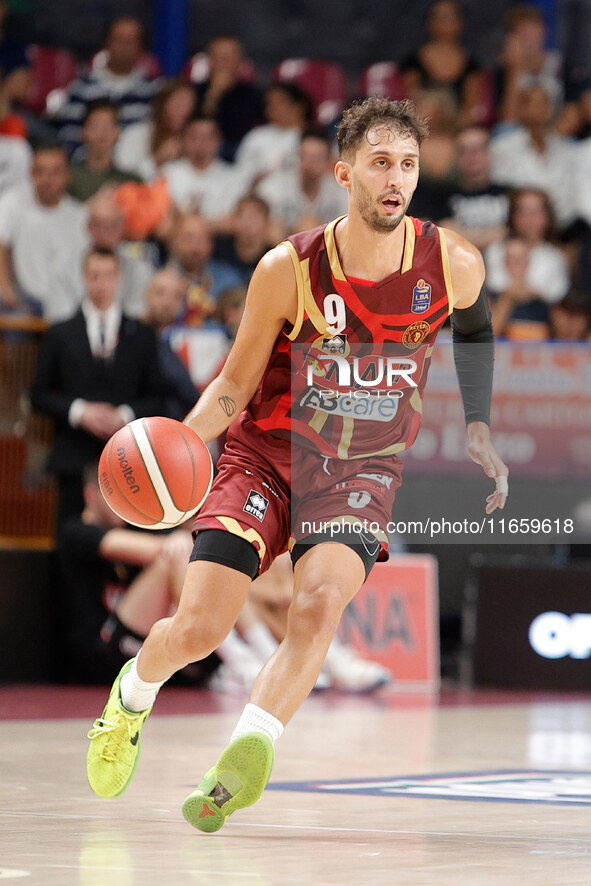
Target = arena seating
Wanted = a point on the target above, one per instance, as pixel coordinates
(52, 68)
(324, 81)
(382, 79)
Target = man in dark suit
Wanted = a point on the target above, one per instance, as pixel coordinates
(96, 372)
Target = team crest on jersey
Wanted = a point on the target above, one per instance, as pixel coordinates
(256, 504)
(415, 334)
(421, 297)
(335, 345)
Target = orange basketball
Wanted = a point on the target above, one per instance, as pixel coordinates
(155, 472)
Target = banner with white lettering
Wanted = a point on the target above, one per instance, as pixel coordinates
(541, 412)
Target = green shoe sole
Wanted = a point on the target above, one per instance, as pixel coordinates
(237, 780)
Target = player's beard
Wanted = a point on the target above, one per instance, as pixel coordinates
(366, 206)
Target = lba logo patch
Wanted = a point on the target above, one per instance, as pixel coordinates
(563, 788)
(421, 297)
(256, 504)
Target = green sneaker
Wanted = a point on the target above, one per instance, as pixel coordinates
(237, 780)
(114, 744)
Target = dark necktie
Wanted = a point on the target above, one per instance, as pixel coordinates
(102, 352)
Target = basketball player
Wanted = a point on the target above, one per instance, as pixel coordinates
(298, 457)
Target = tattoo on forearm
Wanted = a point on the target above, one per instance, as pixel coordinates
(227, 405)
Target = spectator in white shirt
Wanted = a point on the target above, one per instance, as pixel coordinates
(309, 195)
(39, 222)
(275, 146)
(526, 273)
(199, 181)
(16, 157)
(144, 147)
(533, 156)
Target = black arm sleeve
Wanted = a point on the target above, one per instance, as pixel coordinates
(473, 344)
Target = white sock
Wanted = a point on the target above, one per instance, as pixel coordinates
(260, 638)
(136, 694)
(255, 719)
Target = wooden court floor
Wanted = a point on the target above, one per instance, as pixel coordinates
(389, 789)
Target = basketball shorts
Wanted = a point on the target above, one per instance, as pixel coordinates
(275, 495)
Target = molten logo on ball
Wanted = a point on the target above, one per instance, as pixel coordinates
(127, 471)
(155, 472)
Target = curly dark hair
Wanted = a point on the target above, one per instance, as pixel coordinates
(360, 117)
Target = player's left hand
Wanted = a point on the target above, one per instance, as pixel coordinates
(482, 451)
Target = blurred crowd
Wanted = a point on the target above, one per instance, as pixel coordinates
(200, 175)
(134, 208)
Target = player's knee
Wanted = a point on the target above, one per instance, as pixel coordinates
(317, 608)
(189, 641)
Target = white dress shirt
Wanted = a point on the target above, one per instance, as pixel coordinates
(102, 344)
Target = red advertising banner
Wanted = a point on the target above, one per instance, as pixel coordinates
(541, 414)
(394, 620)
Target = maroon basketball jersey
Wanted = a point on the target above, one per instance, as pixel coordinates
(348, 378)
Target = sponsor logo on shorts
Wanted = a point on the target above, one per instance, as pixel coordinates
(384, 479)
(256, 504)
(370, 543)
(265, 484)
(359, 482)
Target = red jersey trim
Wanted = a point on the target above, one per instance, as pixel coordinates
(359, 281)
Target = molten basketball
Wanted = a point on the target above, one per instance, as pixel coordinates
(155, 472)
